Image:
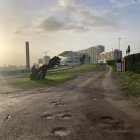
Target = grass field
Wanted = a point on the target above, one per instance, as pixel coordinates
(130, 82)
(54, 76)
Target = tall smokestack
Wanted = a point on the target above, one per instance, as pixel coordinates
(27, 55)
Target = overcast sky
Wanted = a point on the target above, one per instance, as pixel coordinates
(54, 26)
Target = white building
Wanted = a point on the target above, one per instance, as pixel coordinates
(46, 59)
(71, 58)
(94, 53)
(110, 55)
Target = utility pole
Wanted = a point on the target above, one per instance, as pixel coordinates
(119, 47)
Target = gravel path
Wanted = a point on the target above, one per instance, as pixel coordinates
(90, 107)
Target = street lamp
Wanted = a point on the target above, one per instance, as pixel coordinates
(119, 47)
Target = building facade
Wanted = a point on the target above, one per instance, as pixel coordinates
(71, 58)
(110, 55)
(44, 61)
(94, 53)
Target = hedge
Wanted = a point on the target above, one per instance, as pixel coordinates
(133, 62)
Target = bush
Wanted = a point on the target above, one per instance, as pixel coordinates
(133, 62)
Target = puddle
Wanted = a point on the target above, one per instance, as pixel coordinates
(59, 115)
(60, 131)
(59, 104)
(109, 123)
(27, 115)
(47, 116)
(7, 117)
(54, 102)
(67, 116)
(107, 119)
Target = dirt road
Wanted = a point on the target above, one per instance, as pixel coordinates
(90, 107)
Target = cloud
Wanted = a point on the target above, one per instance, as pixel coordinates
(68, 15)
(23, 29)
(71, 16)
(51, 24)
(17, 31)
(63, 2)
(94, 20)
(124, 3)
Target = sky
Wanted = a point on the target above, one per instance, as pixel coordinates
(54, 26)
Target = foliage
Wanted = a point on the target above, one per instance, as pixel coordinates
(133, 62)
(130, 83)
(37, 74)
(111, 63)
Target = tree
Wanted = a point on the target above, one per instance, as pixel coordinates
(40, 73)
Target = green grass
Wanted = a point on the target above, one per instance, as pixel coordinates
(129, 82)
(49, 81)
(53, 77)
(76, 69)
(60, 68)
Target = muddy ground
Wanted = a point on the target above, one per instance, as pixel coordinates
(90, 107)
